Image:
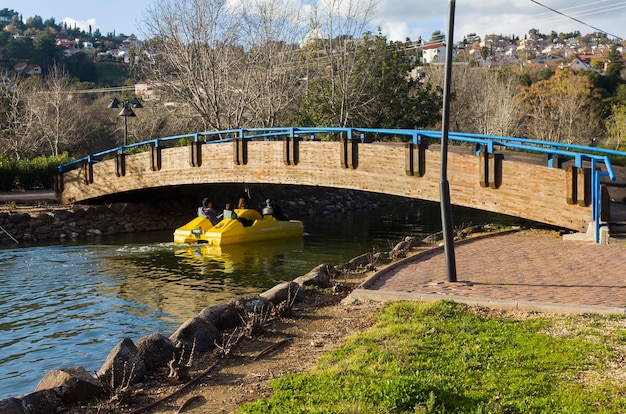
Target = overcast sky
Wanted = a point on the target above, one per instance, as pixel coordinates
(398, 19)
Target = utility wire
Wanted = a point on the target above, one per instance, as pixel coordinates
(596, 10)
(575, 19)
(593, 7)
(552, 19)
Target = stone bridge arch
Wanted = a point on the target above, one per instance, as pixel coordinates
(499, 181)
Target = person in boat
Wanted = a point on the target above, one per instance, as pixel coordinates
(206, 211)
(228, 212)
(274, 210)
(268, 210)
(243, 203)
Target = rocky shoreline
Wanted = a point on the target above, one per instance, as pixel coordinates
(130, 361)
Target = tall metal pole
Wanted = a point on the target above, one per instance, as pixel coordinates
(444, 186)
(125, 130)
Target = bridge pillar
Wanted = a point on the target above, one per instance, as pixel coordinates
(240, 151)
(155, 158)
(88, 172)
(495, 170)
(490, 169)
(120, 164)
(195, 153)
(291, 150)
(583, 191)
(571, 185)
(59, 184)
(349, 150)
(415, 156)
(605, 204)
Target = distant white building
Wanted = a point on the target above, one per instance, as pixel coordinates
(579, 65)
(434, 53)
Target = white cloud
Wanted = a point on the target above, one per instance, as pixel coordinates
(81, 24)
(402, 18)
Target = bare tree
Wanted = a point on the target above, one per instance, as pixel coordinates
(484, 100)
(234, 62)
(16, 137)
(499, 109)
(58, 118)
(199, 57)
(156, 121)
(272, 31)
(340, 25)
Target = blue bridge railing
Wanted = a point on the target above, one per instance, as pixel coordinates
(594, 156)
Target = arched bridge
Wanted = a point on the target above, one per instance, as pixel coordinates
(557, 184)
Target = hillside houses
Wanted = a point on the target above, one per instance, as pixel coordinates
(525, 53)
(27, 69)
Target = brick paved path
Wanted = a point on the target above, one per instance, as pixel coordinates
(528, 266)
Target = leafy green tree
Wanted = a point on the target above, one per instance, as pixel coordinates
(620, 95)
(46, 52)
(615, 63)
(393, 100)
(561, 108)
(381, 94)
(20, 48)
(36, 22)
(81, 67)
(6, 15)
(616, 126)
(51, 23)
(437, 36)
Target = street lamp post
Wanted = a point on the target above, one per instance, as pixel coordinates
(127, 110)
(444, 186)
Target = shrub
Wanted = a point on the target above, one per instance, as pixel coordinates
(8, 174)
(33, 174)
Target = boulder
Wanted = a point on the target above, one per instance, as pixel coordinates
(19, 218)
(156, 350)
(222, 316)
(11, 405)
(360, 261)
(284, 292)
(122, 367)
(41, 402)
(381, 257)
(73, 384)
(319, 276)
(62, 215)
(195, 331)
(44, 218)
(433, 238)
(248, 306)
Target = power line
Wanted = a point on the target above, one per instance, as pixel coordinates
(575, 19)
(593, 8)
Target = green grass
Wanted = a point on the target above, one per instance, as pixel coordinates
(442, 358)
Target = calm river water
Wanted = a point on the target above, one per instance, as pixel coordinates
(68, 305)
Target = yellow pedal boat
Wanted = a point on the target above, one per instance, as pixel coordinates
(233, 231)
